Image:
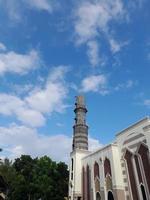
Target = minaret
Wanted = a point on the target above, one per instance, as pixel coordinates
(80, 129)
(79, 149)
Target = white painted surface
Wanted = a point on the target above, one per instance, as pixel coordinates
(114, 152)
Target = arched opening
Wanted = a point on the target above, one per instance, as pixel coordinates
(143, 192)
(72, 169)
(88, 182)
(72, 164)
(83, 182)
(144, 155)
(110, 196)
(109, 183)
(131, 175)
(96, 170)
(107, 167)
(98, 197)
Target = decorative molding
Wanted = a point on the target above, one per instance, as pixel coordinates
(146, 128)
(134, 125)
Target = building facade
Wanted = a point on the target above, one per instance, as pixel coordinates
(117, 171)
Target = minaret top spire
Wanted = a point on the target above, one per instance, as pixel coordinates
(80, 100)
(80, 110)
(80, 134)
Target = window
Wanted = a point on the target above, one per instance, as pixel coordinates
(72, 164)
(98, 197)
(110, 196)
(107, 167)
(71, 175)
(143, 192)
(96, 170)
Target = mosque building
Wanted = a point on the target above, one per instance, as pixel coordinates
(117, 171)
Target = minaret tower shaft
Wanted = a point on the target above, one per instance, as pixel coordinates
(79, 149)
(80, 129)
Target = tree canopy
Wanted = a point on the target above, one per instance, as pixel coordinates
(35, 179)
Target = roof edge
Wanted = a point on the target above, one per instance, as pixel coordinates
(100, 149)
(134, 125)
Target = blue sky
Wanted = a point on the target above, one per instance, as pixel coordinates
(52, 51)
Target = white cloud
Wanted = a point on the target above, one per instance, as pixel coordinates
(94, 144)
(40, 4)
(116, 46)
(21, 89)
(16, 9)
(12, 105)
(50, 99)
(19, 63)
(93, 19)
(93, 53)
(132, 5)
(127, 85)
(2, 47)
(95, 83)
(12, 9)
(147, 102)
(59, 124)
(30, 117)
(16, 140)
(58, 73)
(31, 109)
(9, 103)
(130, 83)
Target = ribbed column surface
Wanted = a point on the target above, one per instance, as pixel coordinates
(80, 129)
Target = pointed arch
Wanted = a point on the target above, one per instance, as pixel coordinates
(107, 167)
(143, 152)
(98, 196)
(110, 195)
(128, 157)
(136, 158)
(83, 182)
(96, 170)
(143, 192)
(88, 182)
(72, 164)
(109, 185)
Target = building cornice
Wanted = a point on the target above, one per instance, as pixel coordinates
(101, 149)
(146, 119)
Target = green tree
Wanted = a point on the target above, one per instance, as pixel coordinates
(34, 179)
